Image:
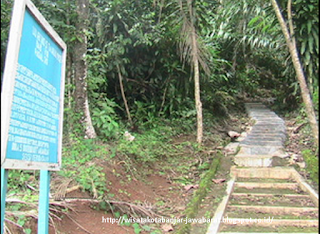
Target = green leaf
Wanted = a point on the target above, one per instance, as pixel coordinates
(137, 228)
(310, 44)
(252, 21)
(115, 28)
(303, 47)
(265, 28)
(147, 228)
(117, 214)
(307, 58)
(309, 25)
(316, 39)
(21, 220)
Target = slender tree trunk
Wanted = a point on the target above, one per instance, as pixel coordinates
(81, 95)
(305, 93)
(69, 91)
(190, 43)
(164, 95)
(124, 95)
(197, 88)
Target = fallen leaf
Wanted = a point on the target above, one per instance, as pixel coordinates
(218, 181)
(167, 227)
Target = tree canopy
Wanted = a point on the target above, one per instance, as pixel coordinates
(140, 56)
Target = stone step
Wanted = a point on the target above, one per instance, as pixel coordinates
(272, 209)
(267, 131)
(271, 123)
(259, 110)
(267, 150)
(273, 222)
(254, 137)
(259, 131)
(252, 185)
(270, 195)
(258, 189)
(253, 160)
(257, 116)
(262, 113)
(267, 233)
(269, 119)
(268, 122)
(258, 135)
(254, 105)
(269, 128)
(296, 201)
(261, 143)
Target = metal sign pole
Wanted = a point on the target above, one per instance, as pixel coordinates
(4, 182)
(43, 214)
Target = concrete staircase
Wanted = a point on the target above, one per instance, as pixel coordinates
(265, 140)
(261, 198)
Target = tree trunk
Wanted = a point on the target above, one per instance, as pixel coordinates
(305, 93)
(124, 95)
(81, 95)
(197, 88)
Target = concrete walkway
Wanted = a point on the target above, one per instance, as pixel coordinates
(277, 196)
(265, 140)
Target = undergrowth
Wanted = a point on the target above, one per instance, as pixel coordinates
(308, 146)
(312, 162)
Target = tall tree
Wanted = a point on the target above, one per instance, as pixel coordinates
(288, 32)
(80, 70)
(190, 49)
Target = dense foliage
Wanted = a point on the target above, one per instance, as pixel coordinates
(139, 67)
(244, 49)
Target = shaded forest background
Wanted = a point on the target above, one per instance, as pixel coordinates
(137, 68)
(170, 74)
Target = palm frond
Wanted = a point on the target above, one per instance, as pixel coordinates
(188, 48)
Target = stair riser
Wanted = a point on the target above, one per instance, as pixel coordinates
(268, 222)
(276, 210)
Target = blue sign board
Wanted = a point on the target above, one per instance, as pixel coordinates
(32, 102)
(33, 137)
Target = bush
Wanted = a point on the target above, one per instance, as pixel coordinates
(105, 119)
(312, 162)
(147, 147)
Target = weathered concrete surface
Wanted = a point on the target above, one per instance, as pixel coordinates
(293, 181)
(265, 140)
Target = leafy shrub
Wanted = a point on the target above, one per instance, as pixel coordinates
(105, 120)
(153, 144)
(145, 114)
(312, 162)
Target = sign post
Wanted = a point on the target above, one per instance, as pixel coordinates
(43, 214)
(4, 182)
(32, 102)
